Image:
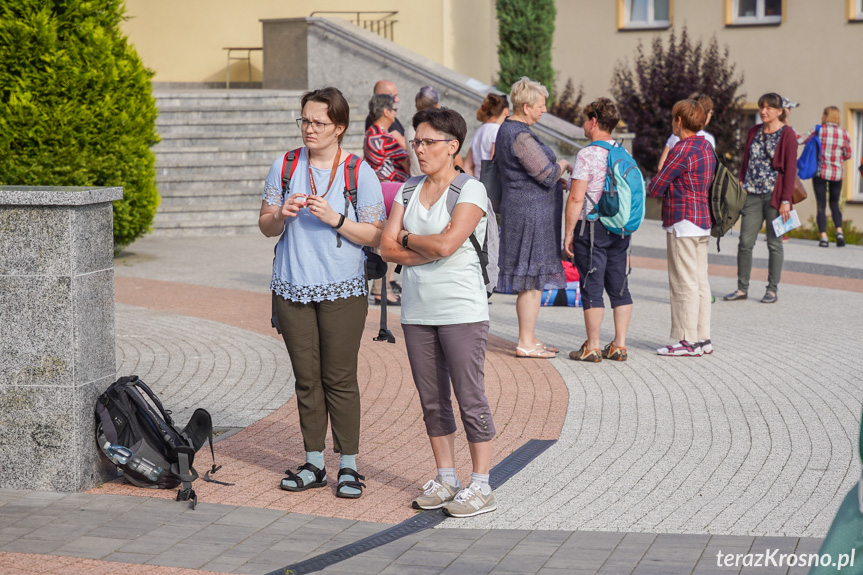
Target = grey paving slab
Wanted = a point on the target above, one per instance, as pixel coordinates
(187, 555)
(90, 547)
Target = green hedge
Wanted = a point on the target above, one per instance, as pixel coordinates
(526, 34)
(76, 105)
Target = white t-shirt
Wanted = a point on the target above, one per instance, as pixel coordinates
(481, 145)
(450, 290)
(672, 139)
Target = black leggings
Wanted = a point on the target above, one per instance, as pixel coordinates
(821, 186)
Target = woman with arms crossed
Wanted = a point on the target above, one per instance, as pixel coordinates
(445, 311)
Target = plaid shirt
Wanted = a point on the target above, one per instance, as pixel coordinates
(684, 183)
(835, 149)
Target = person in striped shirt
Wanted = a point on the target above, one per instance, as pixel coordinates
(683, 183)
(835, 149)
(381, 150)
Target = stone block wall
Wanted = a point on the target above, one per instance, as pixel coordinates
(56, 333)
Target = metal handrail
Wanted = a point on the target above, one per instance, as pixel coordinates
(460, 88)
(382, 26)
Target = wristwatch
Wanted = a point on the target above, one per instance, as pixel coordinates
(405, 240)
(785, 202)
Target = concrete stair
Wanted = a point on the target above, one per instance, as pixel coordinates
(217, 147)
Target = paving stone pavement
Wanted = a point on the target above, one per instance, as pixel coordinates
(661, 462)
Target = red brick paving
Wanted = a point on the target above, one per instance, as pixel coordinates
(27, 564)
(528, 401)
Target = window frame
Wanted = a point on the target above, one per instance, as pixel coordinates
(853, 191)
(854, 10)
(625, 23)
(732, 19)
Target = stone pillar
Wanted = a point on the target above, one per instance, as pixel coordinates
(56, 333)
(286, 59)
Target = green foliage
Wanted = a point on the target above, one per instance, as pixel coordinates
(810, 231)
(526, 34)
(568, 105)
(646, 93)
(76, 105)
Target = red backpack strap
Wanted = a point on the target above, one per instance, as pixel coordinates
(294, 158)
(352, 166)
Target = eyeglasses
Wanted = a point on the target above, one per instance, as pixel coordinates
(427, 142)
(316, 126)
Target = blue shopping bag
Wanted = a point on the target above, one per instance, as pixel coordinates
(807, 164)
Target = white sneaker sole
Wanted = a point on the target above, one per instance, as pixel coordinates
(486, 509)
(416, 505)
(680, 353)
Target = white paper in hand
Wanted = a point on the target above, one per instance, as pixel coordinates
(780, 227)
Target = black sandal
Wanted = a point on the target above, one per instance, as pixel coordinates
(301, 485)
(356, 483)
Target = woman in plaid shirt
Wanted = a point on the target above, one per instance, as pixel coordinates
(683, 183)
(835, 149)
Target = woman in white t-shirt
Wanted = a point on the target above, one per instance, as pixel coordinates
(492, 113)
(445, 310)
(707, 104)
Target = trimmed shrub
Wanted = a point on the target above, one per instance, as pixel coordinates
(526, 34)
(646, 93)
(568, 106)
(76, 105)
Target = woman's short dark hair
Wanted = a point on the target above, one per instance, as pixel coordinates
(605, 113)
(338, 110)
(491, 107)
(379, 103)
(773, 100)
(444, 120)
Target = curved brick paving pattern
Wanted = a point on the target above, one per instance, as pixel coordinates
(528, 401)
(755, 439)
(238, 375)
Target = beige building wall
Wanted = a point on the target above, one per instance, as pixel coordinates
(183, 41)
(773, 58)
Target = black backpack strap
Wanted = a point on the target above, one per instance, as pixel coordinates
(186, 493)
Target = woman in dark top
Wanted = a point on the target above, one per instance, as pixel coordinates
(768, 173)
(531, 209)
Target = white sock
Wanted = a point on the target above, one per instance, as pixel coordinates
(448, 475)
(482, 480)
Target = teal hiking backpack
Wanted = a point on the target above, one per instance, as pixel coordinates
(621, 206)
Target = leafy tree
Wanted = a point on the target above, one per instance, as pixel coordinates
(76, 105)
(646, 93)
(526, 31)
(568, 105)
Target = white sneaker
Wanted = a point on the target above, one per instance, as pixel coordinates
(706, 346)
(681, 348)
(436, 494)
(470, 501)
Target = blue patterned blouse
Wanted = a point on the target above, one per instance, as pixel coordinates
(308, 266)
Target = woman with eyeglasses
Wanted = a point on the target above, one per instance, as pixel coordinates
(381, 150)
(320, 298)
(531, 209)
(445, 310)
(767, 173)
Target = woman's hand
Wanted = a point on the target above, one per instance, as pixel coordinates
(565, 166)
(567, 245)
(291, 207)
(320, 208)
(785, 211)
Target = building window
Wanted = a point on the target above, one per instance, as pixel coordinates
(641, 14)
(855, 10)
(856, 194)
(754, 12)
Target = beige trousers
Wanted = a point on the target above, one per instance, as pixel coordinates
(690, 288)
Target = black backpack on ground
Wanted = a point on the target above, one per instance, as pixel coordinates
(136, 433)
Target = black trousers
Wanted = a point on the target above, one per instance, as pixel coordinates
(821, 186)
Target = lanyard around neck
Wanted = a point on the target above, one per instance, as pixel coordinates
(332, 173)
